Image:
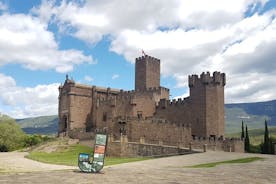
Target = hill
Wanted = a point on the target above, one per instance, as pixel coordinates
(39, 125)
(253, 114)
(256, 135)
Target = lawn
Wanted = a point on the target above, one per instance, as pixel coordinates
(70, 156)
(236, 161)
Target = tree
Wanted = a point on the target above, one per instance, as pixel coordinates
(246, 141)
(266, 148)
(242, 133)
(11, 136)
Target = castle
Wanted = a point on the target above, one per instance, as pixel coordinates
(145, 114)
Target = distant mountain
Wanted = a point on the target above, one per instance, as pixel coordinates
(253, 114)
(39, 125)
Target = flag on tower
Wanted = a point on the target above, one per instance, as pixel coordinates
(143, 53)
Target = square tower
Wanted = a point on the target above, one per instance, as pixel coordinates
(147, 73)
(207, 97)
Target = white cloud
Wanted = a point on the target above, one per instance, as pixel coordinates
(21, 102)
(114, 76)
(88, 78)
(244, 47)
(250, 87)
(25, 40)
(3, 6)
(189, 36)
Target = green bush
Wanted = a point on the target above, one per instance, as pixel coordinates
(255, 148)
(35, 139)
(11, 136)
(3, 148)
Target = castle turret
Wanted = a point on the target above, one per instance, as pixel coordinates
(207, 96)
(147, 73)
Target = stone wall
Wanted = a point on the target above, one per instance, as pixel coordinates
(228, 145)
(126, 148)
(154, 131)
(176, 111)
(133, 149)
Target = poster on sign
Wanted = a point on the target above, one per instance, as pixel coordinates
(98, 157)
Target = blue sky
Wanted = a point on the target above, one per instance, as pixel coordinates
(96, 42)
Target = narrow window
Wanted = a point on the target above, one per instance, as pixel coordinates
(104, 116)
(139, 114)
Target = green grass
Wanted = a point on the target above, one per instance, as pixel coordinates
(65, 157)
(237, 161)
(256, 135)
(70, 156)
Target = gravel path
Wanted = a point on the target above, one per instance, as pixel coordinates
(168, 170)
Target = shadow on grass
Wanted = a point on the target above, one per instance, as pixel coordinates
(236, 161)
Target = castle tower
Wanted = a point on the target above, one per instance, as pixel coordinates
(207, 97)
(147, 72)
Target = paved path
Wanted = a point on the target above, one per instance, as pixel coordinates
(12, 162)
(168, 170)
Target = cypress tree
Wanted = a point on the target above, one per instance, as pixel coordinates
(242, 133)
(266, 146)
(246, 141)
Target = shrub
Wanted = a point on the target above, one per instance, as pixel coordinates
(11, 136)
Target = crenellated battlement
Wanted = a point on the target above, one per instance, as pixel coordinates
(147, 57)
(132, 93)
(163, 103)
(205, 78)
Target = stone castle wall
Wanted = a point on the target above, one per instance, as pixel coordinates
(155, 131)
(133, 149)
(228, 145)
(176, 111)
(146, 112)
(126, 148)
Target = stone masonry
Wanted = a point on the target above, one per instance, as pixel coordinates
(145, 113)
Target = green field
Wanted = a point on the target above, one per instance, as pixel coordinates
(236, 161)
(69, 156)
(256, 135)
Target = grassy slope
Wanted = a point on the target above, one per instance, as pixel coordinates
(69, 156)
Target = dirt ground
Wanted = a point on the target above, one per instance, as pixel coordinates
(169, 170)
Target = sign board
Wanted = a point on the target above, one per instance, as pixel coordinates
(98, 157)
